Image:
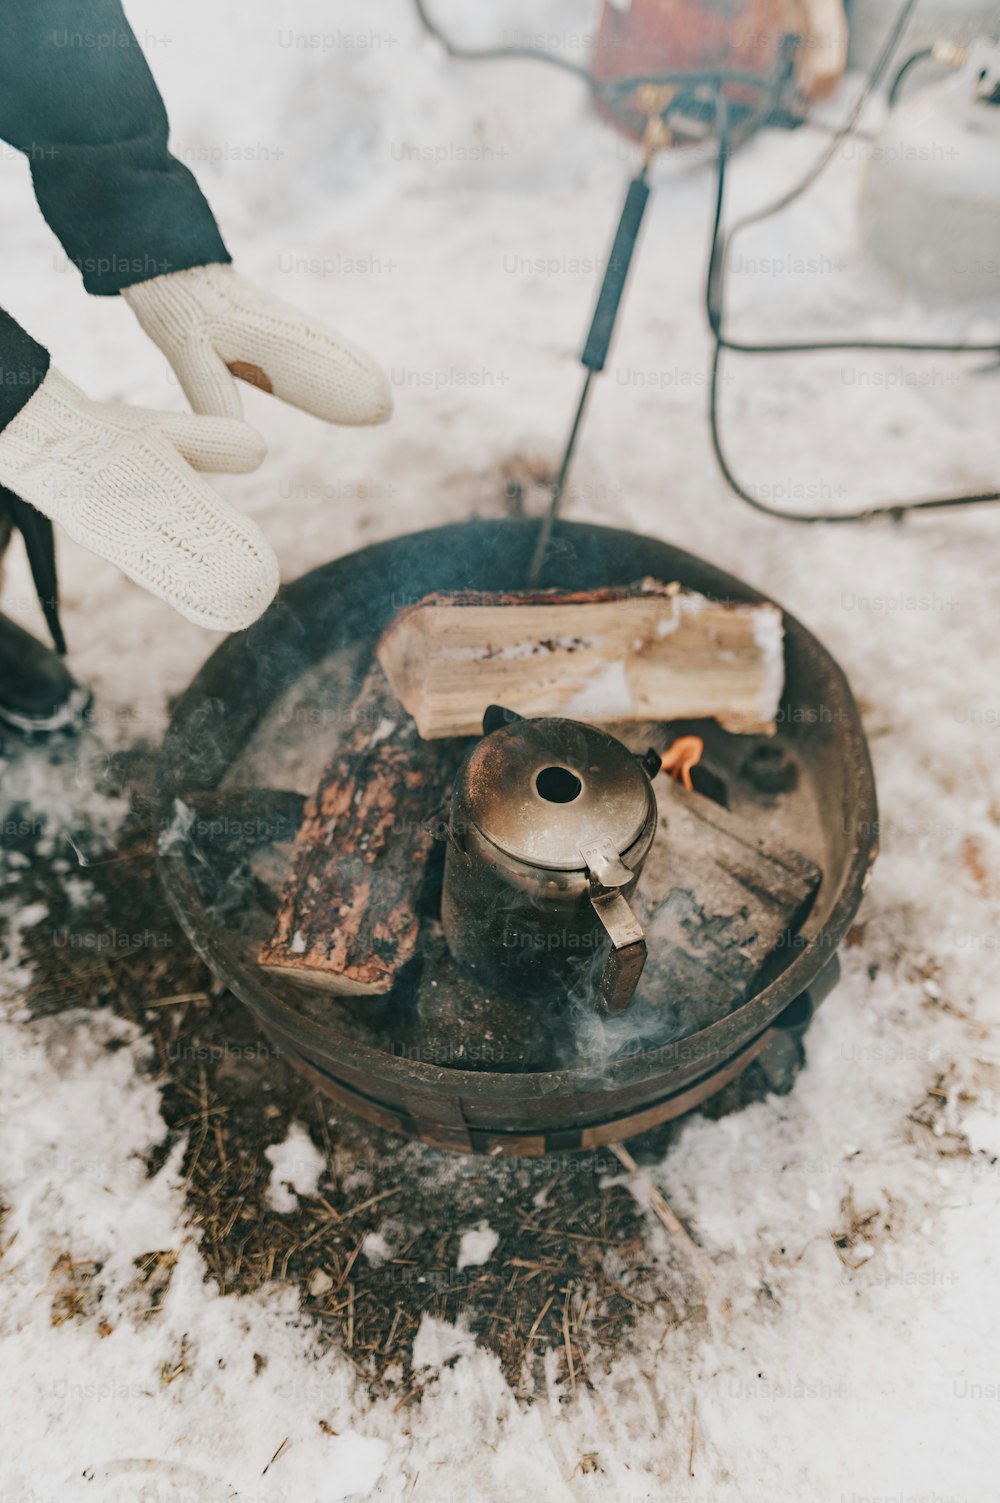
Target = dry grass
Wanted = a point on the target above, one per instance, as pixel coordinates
(570, 1271)
(73, 1288)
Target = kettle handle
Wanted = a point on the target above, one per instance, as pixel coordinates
(627, 957)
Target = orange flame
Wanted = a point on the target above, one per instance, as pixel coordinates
(680, 757)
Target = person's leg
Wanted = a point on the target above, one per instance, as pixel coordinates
(38, 694)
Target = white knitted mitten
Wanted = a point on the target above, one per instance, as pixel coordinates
(122, 481)
(213, 325)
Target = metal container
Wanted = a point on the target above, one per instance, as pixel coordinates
(549, 825)
(958, 21)
(930, 207)
(222, 742)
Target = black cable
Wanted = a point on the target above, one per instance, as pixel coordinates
(490, 54)
(719, 248)
(895, 509)
(791, 196)
(874, 79)
(907, 346)
(911, 63)
(609, 88)
(721, 243)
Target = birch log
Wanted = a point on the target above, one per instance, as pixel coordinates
(649, 651)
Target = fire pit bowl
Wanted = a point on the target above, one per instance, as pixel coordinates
(439, 1059)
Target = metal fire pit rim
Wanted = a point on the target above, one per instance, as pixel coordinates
(684, 1059)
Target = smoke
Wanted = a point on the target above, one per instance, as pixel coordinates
(594, 1038)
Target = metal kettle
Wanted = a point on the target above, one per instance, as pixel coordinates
(549, 824)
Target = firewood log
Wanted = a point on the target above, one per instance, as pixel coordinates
(648, 651)
(717, 905)
(348, 920)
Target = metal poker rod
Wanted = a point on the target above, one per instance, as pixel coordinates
(595, 351)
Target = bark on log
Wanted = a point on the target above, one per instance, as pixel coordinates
(349, 914)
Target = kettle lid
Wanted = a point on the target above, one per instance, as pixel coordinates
(544, 790)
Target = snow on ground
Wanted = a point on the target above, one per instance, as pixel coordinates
(296, 1168)
(478, 1244)
(451, 218)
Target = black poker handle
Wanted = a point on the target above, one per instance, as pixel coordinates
(595, 351)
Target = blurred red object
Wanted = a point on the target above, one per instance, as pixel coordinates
(696, 36)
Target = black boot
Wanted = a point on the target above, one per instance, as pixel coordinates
(38, 694)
